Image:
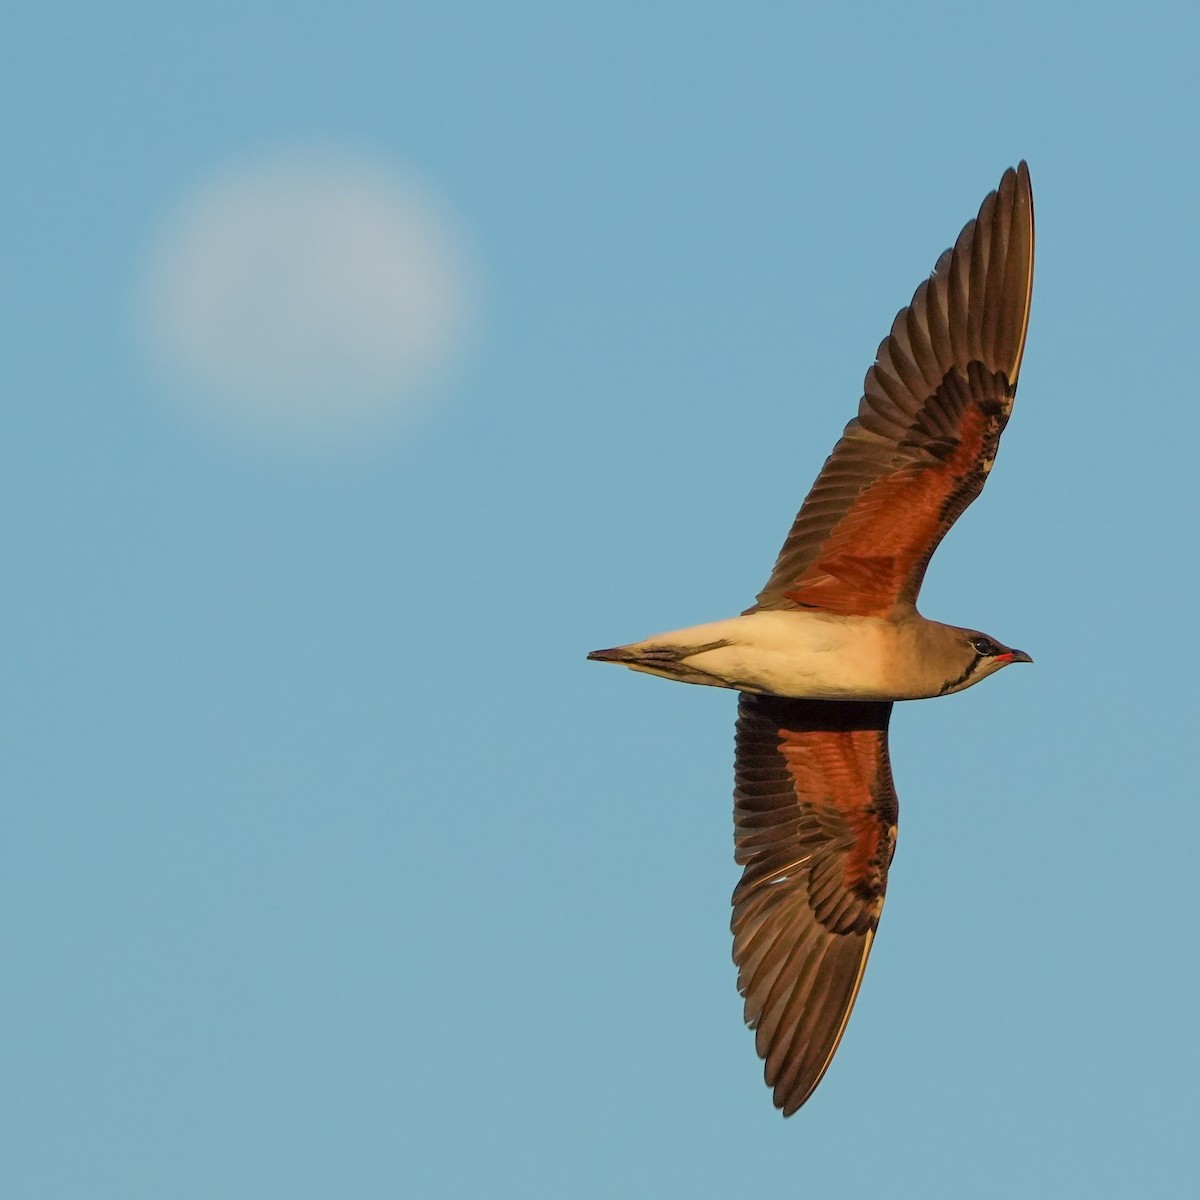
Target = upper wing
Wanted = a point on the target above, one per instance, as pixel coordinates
(815, 828)
(928, 425)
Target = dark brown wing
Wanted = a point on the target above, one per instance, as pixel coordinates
(815, 827)
(934, 406)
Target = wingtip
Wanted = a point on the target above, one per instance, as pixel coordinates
(1017, 174)
(1025, 192)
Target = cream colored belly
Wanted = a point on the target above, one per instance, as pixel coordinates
(805, 655)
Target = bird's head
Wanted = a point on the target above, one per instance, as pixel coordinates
(976, 656)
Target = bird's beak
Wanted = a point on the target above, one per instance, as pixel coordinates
(1019, 656)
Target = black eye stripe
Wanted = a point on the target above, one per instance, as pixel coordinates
(984, 649)
(953, 683)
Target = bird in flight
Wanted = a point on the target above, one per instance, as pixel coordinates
(835, 638)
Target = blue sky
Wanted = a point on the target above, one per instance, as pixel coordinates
(330, 867)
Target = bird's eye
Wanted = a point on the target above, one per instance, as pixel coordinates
(984, 646)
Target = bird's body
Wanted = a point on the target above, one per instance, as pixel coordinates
(834, 638)
(808, 654)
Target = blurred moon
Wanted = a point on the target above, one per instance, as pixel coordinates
(310, 296)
